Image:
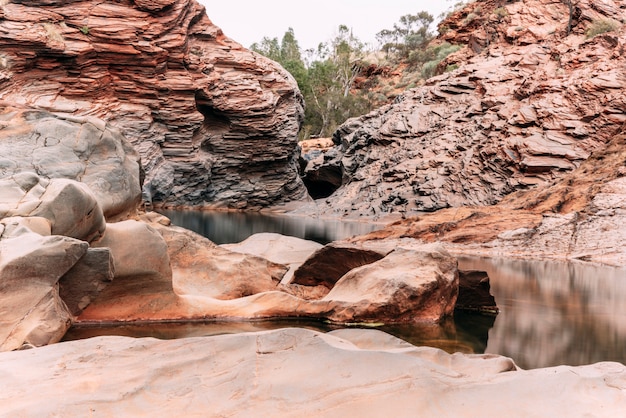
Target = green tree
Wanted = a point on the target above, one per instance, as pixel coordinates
(327, 82)
(411, 32)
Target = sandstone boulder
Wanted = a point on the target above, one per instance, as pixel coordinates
(69, 206)
(137, 249)
(31, 265)
(277, 248)
(328, 264)
(204, 269)
(404, 286)
(349, 372)
(212, 282)
(86, 150)
(86, 279)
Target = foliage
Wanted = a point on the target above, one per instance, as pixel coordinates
(84, 30)
(432, 56)
(501, 12)
(336, 79)
(599, 26)
(327, 82)
(410, 33)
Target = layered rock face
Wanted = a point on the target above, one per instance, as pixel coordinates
(214, 123)
(289, 372)
(578, 217)
(527, 104)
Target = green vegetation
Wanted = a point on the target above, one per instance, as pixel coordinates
(84, 30)
(501, 12)
(600, 26)
(338, 80)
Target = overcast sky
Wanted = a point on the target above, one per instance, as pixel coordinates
(313, 21)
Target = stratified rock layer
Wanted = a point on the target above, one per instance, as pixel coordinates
(214, 123)
(527, 104)
(291, 373)
(578, 217)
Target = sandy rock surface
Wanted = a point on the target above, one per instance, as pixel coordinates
(291, 373)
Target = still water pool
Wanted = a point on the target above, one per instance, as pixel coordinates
(551, 312)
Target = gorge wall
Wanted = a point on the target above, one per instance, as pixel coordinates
(527, 103)
(215, 124)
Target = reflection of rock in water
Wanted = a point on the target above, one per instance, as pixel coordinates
(474, 293)
(556, 312)
(465, 333)
(474, 329)
(232, 227)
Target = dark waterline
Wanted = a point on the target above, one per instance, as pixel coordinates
(551, 313)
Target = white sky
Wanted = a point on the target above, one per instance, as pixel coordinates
(314, 21)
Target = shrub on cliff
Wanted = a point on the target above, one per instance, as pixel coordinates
(600, 26)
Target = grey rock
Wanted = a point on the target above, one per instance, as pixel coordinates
(54, 146)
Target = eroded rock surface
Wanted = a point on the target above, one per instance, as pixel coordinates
(578, 217)
(210, 282)
(527, 104)
(214, 123)
(348, 372)
(84, 149)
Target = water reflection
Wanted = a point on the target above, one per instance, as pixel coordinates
(556, 312)
(232, 227)
(551, 313)
(467, 333)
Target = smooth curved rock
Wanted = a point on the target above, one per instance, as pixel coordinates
(69, 206)
(31, 311)
(137, 249)
(405, 286)
(86, 279)
(214, 123)
(204, 269)
(277, 248)
(331, 262)
(348, 373)
(210, 282)
(84, 149)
